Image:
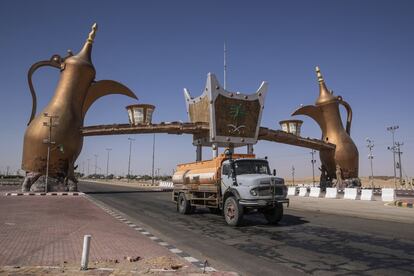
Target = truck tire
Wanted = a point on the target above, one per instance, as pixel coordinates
(274, 215)
(233, 212)
(183, 205)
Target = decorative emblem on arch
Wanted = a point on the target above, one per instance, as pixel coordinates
(234, 118)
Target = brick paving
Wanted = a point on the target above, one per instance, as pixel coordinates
(49, 231)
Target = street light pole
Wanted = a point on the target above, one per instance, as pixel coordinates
(370, 157)
(129, 159)
(153, 157)
(88, 166)
(293, 175)
(398, 149)
(49, 142)
(313, 166)
(392, 129)
(107, 161)
(96, 163)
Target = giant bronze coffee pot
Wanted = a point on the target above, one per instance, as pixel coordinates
(344, 160)
(75, 93)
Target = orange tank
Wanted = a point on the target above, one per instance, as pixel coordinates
(203, 172)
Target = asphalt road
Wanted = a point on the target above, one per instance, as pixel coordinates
(303, 243)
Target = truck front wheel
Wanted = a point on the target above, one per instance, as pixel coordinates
(183, 205)
(274, 215)
(233, 212)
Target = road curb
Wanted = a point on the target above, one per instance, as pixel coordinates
(400, 203)
(46, 194)
(121, 217)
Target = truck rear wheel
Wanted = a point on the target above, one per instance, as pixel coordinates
(233, 212)
(183, 205)
(275, 214)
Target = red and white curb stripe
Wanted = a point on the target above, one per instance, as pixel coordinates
(202, 265)
(46, 194)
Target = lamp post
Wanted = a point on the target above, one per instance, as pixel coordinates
(293, 175)
(88, 166)
(392, 129)
(96, 163)
(313, 161)
(398, 151)
(129, 159)
(107, 161)
(370, 157)
(49, 142)
(153, 157)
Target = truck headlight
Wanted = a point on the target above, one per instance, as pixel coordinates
(253, 192)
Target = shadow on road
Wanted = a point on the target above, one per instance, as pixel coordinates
(257, 219)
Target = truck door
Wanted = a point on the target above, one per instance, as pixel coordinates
(226, 179)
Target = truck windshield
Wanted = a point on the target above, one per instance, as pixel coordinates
(251, 167)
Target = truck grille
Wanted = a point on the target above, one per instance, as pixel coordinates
(267, 190)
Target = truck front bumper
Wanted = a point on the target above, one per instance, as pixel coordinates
(262, 202)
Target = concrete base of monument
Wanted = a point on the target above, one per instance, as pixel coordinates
(53, 185)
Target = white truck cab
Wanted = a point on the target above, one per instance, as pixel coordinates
(247, 185)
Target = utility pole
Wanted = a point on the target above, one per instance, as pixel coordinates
(49, 142)
(293, 175)
(88, 166)
(370, 157)
(153, 157)
(313, 161)
(398, 151)
(129, 159)
(392, 129)
(107, 161)
(225, 66)
(96, 163)
(7, 170)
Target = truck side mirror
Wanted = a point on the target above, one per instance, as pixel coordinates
(274, 172)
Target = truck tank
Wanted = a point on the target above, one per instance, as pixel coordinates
(203, 172)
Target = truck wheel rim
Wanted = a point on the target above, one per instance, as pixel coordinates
(230, 211)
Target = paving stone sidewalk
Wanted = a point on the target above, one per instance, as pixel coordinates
(48, 231)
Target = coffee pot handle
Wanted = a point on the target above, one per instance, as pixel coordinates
(349, 112)
(55, 61)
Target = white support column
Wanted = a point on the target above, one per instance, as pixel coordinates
(199, 153)
(250, 149)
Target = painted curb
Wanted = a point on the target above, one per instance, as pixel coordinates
(46, 194)
(119, 216)
(400, 203)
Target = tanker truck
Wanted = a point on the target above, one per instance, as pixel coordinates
(231, 184)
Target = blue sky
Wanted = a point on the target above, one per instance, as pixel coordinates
(365, 50)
